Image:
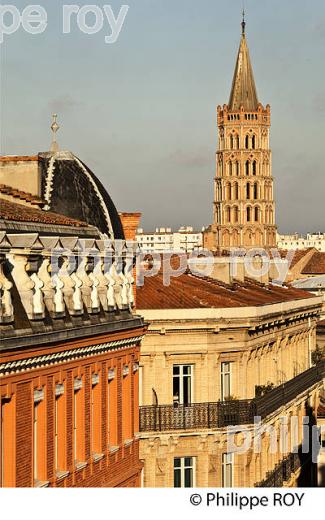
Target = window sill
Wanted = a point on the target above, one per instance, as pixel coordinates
(41, 483)
(113, 449)
(80, 465)
(98, 456)
(128, 442)
(60, 475)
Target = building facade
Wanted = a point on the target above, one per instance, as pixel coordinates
(69, 337)
(219, 357)
(244, 209)
(186, 239)
(296, 241)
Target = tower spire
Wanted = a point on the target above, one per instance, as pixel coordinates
(243, 91)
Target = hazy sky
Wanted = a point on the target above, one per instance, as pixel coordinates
(141, 112)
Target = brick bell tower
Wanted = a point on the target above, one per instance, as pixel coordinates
(244, 209)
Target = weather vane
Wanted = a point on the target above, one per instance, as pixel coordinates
(54, 127)
(243, 24)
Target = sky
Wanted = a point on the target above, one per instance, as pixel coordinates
(142, 112)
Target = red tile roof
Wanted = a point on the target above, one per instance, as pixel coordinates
(14, 211)
(22, 195)
(316, 264)
(16, 158)
(192, 292)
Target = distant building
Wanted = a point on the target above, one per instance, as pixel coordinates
(296, 241)
(244, 207)
(164, 239)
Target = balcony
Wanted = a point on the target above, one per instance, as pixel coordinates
(227, 413)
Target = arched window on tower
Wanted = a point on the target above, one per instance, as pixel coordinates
(228, 214)
(248, 191)
(230, 168)
(237, 168)
(266, 215)
(257, 214)
(231, 142)
(235, 191)
(254, 142)
(228, 192)
(254, 167)
(237, 141)
(247, 142)
(255, 191)
(248, 214)
(236, 214)
(247, 168)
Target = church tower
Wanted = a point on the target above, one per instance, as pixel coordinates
(244, 210)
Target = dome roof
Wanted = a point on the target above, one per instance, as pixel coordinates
(70, 188)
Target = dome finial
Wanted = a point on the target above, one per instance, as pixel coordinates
(243, 24)
(54, 127)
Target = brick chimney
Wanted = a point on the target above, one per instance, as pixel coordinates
(130, 223)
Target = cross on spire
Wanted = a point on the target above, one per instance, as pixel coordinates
(243, 24)
(54, 127)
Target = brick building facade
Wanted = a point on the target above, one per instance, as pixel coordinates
(69, 337)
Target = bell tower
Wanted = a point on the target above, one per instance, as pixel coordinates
(244, 209)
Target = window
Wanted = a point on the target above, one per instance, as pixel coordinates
(182, 384)
(7, 442)
(246, 142)
(184, 472)
(78, 421)
(95, 415)
(257, 214)
(225, 380)
(39, 440)
(227, 470)
(59, 429)
(228, 214)
(112, 406)
(247, 168)
(237, 168)
(248, 214)
(255, 191)
(254, 142)
(248, 191)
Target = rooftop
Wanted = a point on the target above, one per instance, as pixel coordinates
(189, 291)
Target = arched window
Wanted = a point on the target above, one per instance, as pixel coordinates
(247, 142)
(228, 191)
(254, 142)
(232, 142)
(247, 168)
(266, 215)
(228, 214)
(254, 167)
(248, 191)
(255, 191)
(237, 141)
(237, 168)
(236, 191)
(257, 214)
(236, 214)
(248, 214)
(230, 168)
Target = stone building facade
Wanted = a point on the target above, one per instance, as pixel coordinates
(244, 209)
(216, 356)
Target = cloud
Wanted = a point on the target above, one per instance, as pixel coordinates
(195, 159)
(63, 104)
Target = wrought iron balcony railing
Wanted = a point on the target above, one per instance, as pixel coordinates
(226, 413)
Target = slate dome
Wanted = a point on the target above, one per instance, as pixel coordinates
(70, 188)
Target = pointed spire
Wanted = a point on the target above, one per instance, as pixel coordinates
(54, 127)
(243, 91)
